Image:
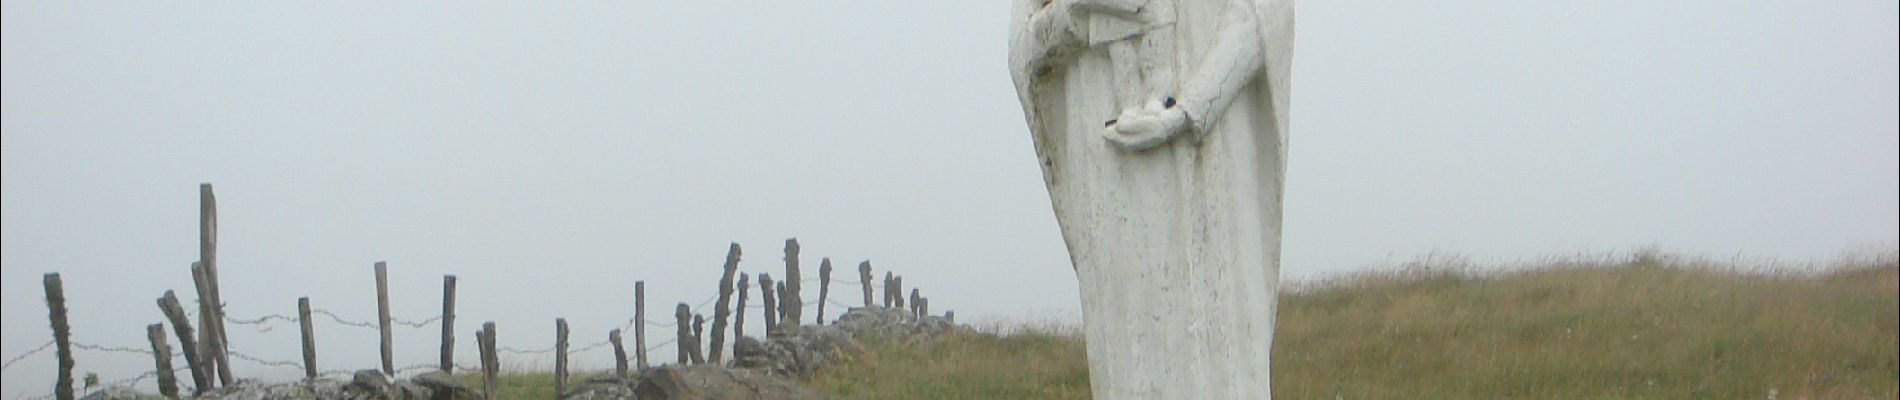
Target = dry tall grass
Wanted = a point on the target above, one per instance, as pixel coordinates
(1645, 327)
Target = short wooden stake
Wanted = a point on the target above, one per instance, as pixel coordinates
(738, 321)
(62, 336)
(771, 303)
(162, 355)
(620, 354)
(683, 321)
(382, 318)
(560, 357)
(640, 324)
(723, 309)
(491, 363)
(888, 294)
(791, 298)
(864, 282)
(699, 336)
(210, 347)
(448, 323)
(824, 288)
(187, 341)
(309, 331)
(897, 291)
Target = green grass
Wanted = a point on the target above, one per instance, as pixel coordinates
(1625, 330)
(964, 366)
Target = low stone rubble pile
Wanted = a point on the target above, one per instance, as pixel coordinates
(759, 369)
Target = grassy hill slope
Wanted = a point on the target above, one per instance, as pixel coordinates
(1635, 329)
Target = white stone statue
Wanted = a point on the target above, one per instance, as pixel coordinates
(1161, 129)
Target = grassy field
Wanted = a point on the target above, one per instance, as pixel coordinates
(1611, 330)
(1634, 329)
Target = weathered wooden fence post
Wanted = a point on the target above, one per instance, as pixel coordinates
(864, 282)
(208, 257)
(620, 353)
(683, 324)
(62, 335)
(210, 351)
(780, 301)
(448, 323)
(699, 336)
(309, 332)
(913, 303)
(723, 310)
(824, 288)
(640, 323)
(560, 357)
(187, 342)
(491, 363)
(897, 291)
(738, 319)
(382, 318)
(771, 303)
(887, 289)
(789, 298)
(162, 355)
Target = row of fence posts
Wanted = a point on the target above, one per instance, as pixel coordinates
(206, 350)
(690, 328)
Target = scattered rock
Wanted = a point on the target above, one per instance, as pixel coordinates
(120, 393)
(601, 387)
(706, 382)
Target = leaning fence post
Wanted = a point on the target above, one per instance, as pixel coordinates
(824, 288)
(187, 342)
(309, 339)
(62, 336)
(791, 301)
(560, 357)
(448, 323)
(864, 282)
(738, 320)
(723, 309)
(210, 350)
(640, 324)
(162, 355)
(771, 304)
(382, 317)
(682, 317)
(620, 354)
(491, 363)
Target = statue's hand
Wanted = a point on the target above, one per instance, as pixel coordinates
(1146, 129)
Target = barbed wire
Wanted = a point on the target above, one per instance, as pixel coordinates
(340, 320)
(662, 344)
(242, 356)
(22, 356)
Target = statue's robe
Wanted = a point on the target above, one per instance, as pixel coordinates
(1177, 248)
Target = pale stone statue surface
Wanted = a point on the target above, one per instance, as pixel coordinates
(1161, 129)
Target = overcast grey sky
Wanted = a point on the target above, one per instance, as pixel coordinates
(552, 154)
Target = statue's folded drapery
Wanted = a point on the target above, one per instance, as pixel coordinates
(1176, 247)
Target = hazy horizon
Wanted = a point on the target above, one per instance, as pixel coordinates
(552, 154)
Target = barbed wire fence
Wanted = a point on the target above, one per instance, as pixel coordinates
(268, 323)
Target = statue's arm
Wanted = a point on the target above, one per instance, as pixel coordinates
(1042, 33)
(1225, 69)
